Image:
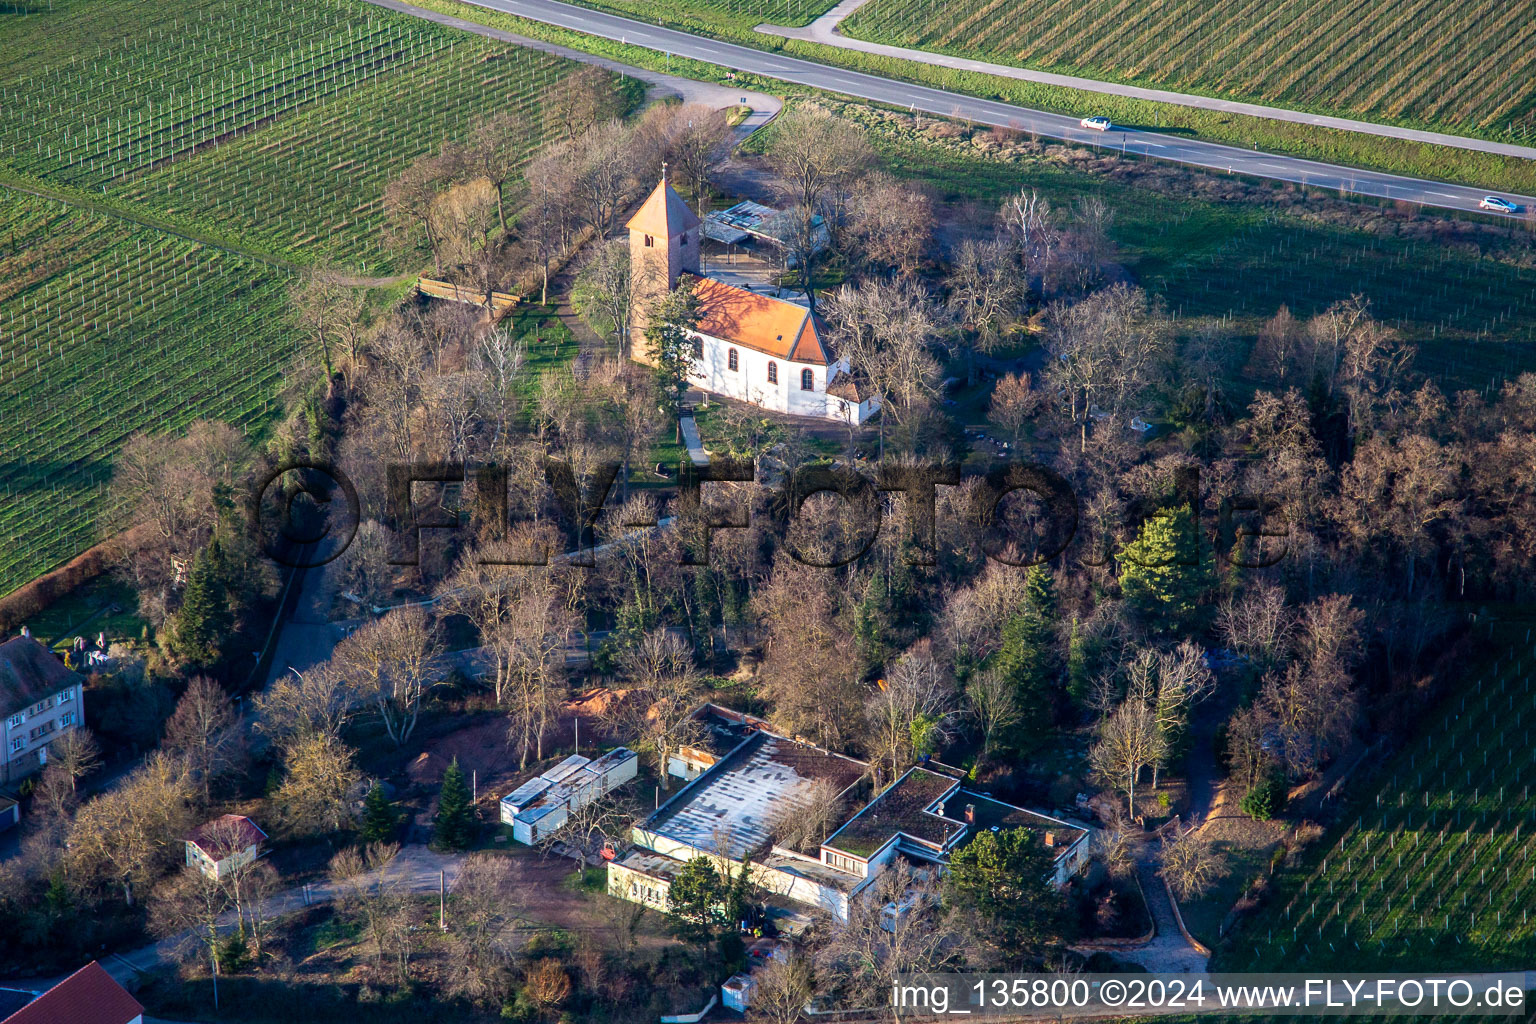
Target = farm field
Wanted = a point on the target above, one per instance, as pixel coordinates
(1427, 63)
(270, 128)
(107, 327)
(312, 185)
(1438, 869)
(279, 122)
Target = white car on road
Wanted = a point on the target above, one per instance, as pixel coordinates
(1098, 124)
(1500, 205)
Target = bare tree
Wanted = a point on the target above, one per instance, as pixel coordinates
(130, 834)
(1129, 741)
(578, 101)
(186, 910)
(1106, 353)
(815, 154)
(408, 200)
(661, 665)
(890, 223)
(986, 298)
(204, 732)
(1189, 863)
(547, 222)
(811, 814)
(700, 140)
(497, 147)
(318, 779)
(76, 754)
(1248, 762)
(1257, 624)
(318, 702)
(861, 959)
(784, 989)
(390, 660)
(372, 894)
(1027, 220)
(603, 290)
(327, 309)
(911, 711)
(482, 936)
(603, 174)
(994, 704)
(884, 330)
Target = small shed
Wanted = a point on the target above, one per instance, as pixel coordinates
(579, 784)
(737, 991)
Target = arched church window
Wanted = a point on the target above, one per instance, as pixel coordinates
(807, 380)
(730, 359)
(773, 373)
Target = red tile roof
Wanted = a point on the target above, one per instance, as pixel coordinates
(772, 326)
(242, 832)
(89, 996)
(663, 213)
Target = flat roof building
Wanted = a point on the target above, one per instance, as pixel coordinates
(730, 812)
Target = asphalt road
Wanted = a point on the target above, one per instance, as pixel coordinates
(858, 85)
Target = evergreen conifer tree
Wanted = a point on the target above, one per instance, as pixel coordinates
(1164, 571)
(454, 827)
(380, 820)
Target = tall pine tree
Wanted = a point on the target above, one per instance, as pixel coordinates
(454, 827)
(1165, 571)
(202, 624)
(1027, 656)
(380, 820)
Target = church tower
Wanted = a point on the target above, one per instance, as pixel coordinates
(663, 244)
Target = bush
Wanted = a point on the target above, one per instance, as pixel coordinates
(1265, 799)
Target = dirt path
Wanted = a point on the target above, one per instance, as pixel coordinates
(1169, 951)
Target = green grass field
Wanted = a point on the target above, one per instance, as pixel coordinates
(1471, 314)
(1430, 63)
(1437, 870)
(108, 327)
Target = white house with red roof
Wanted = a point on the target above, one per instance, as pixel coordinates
(750, 347)
(224, 844)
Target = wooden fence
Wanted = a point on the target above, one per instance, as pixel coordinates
(500, 301)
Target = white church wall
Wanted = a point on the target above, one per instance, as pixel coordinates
(749, 382)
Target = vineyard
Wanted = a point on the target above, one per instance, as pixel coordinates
(313, 184)
(1426, 62)
(1470, 318)
(270, 126)
(1438, 871)
(106, 327)
(281, 122)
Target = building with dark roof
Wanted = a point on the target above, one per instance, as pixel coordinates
(40, 700)
(224, 844)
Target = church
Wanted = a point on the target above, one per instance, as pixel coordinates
(750, 347)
